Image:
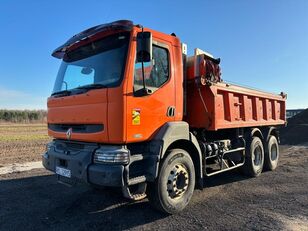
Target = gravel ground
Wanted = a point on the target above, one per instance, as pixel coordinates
(277, 200)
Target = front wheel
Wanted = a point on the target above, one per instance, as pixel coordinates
(174, 186)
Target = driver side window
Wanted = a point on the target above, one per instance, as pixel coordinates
(156, 72)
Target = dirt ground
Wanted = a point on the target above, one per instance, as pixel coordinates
(278, 200)
(21, 143)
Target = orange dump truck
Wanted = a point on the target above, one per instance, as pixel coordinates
(130, 110)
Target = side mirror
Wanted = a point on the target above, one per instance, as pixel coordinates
(144, 47)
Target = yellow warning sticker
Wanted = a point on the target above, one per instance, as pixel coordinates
(136, 116)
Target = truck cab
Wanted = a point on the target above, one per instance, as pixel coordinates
(98, 86)
(130, 110)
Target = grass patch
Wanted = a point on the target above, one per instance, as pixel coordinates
(23, 137)
(23, 132)
(23, 129)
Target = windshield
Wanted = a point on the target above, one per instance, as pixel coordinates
(99, 63)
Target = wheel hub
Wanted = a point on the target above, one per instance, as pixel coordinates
(257, 156)
(274, 152)
(178, 180)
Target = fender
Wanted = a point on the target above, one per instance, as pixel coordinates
(271, 131)
(253, 131)
(170, 133)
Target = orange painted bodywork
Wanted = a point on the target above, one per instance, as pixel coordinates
(113, 107)
(89, 108)
(153, 108)
(231, 106)
(227, 106)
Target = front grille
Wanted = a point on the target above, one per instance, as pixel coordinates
(77, 128)
(66, 146)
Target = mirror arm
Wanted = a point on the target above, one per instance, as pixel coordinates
(142, 66)
(143, 78)
(144, 54)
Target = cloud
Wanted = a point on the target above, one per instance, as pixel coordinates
(13, 99)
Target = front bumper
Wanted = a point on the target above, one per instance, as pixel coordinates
(78, 158)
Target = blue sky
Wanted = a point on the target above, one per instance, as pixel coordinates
(263, 44)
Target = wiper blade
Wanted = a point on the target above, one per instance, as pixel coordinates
(92, 86)
(64, 93)
(86, 87)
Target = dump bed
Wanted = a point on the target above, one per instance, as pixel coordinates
(218, 105)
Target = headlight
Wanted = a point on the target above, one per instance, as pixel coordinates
(111, 154)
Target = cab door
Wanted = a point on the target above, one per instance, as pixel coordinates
(147, 113)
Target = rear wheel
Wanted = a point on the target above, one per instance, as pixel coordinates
(254, 157)
(271, 154)
(173, 188)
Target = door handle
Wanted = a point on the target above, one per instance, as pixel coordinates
(170, 111)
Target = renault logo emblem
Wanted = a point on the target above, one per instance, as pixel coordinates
(69, 133)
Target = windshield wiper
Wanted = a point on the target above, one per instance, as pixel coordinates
(92, 86)
(62, 93)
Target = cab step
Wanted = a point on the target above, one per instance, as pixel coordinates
(136, 180)
(138, 197)
(138, 194)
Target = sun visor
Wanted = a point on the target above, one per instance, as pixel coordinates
(117, 25)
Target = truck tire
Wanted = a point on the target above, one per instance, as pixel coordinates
(271, 154)
(174, 186)
(254, 157)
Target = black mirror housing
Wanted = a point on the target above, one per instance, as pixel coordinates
(144, 47)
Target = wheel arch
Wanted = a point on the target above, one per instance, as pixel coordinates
(254, 132)
(195, 155)
(272, 131)
(176, 135)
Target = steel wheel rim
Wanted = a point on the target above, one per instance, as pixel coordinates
(178, 181)
(257, 156)
(274, 152)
